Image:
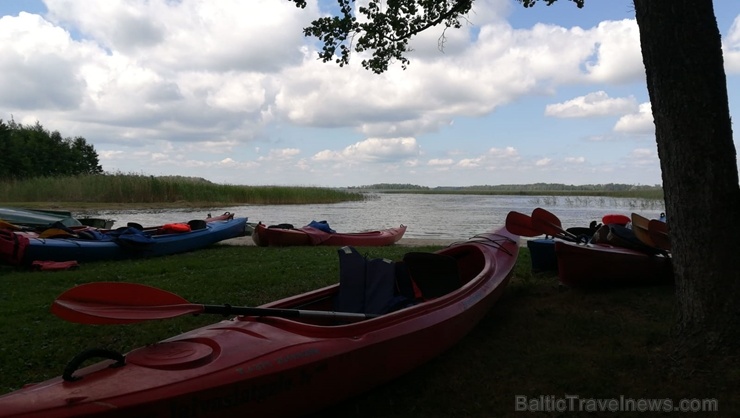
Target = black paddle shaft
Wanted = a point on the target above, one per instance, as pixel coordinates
(228, 310)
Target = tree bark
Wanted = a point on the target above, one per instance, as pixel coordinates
(681, 49)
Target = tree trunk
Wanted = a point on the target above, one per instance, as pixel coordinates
(681, 50)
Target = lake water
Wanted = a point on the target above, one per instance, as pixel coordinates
(449, 217)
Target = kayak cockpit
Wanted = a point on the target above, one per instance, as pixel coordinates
(377, 287)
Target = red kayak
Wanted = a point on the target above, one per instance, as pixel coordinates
(267, 364)
(595, 265)
(223, 217)
(265, 236)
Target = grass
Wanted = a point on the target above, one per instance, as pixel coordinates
(540, 339)
(113, 190)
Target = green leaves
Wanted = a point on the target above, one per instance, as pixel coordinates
(384, 28)
(531, 3)
(32, 151)
(381, 28)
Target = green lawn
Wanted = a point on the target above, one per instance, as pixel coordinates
(539, 340)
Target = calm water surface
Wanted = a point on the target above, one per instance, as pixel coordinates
(449, 217)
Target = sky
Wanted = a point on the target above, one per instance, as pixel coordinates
(232, 92)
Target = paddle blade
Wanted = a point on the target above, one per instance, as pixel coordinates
(550, 224)
(640, 228)
(658, 231)
(640, 221)
(10, 226)
(520, 224)
(119, 303)
(92, 314)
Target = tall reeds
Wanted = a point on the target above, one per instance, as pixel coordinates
(132, 188)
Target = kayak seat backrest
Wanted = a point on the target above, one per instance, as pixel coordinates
(352, 271)
(197, 224)
(380, 286)
(434, 274)
(405, 286)
(370, 286)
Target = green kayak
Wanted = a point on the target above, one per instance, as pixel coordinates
(37, 218)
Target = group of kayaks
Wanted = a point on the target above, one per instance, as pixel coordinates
(44, 239)
(64, 243)
(303, 353)
(620, 250)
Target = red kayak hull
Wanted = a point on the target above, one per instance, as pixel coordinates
(281, 237)
(594, 265)
(270, 366)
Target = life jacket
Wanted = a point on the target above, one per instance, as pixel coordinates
(12, 246)
(54, 265)
(175, 228)
(615, 218)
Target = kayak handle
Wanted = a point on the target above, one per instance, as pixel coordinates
(77, 361)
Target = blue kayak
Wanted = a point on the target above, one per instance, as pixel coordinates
(125, 242)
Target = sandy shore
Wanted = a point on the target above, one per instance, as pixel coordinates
(406, 242)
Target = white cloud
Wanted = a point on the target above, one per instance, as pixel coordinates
(373, 150)
(471, 162)
(509, 153)
(637, 123)
(438, 162)
(593, 104)
(280, 154)
(39, 65)
(731, 48)
(617, 56)
(192, 35)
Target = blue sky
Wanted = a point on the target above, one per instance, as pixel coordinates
(232, 92)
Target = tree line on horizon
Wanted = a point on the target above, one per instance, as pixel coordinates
(31, 151)
(610, 187)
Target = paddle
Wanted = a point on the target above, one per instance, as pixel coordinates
(12, 227)
(658, 231)
(125, 303)
(550, 224)
(640, 228)
(521, 224)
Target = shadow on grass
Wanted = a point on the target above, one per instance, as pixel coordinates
(542, 339)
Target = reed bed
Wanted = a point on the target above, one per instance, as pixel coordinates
(141, 189)
(632, 203)
(649, 194)
(135, 189)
